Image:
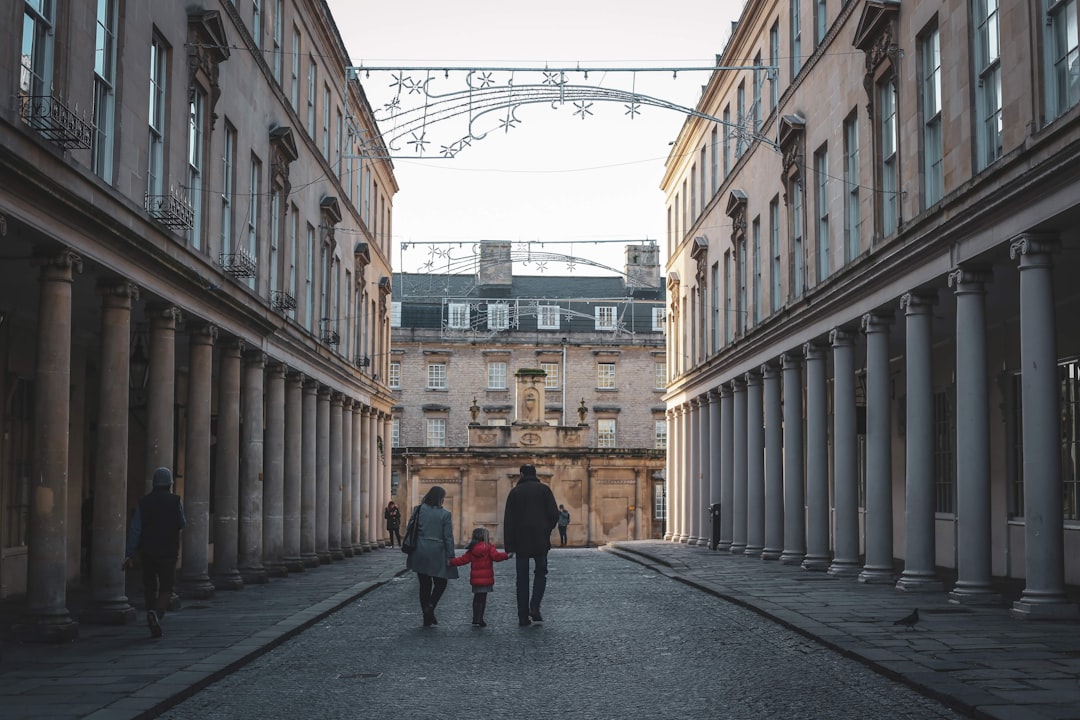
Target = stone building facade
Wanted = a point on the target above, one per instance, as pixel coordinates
(873, 367)
(196, 275)
(491, 370)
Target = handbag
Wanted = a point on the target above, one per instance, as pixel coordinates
(412, 530)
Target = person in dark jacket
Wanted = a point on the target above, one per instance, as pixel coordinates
(529, 517)
(393, 522)
(434, 551)
(481, 556)
(155, 535)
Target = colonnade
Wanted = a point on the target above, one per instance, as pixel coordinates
(775, 493)
(299, 474)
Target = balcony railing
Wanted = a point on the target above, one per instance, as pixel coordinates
(328, 333)
(283, 301)
(56, 122)
(238, 264)
(172, 210)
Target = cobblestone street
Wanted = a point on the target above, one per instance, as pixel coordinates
(618, 640)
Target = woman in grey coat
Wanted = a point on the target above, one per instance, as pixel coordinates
(434, 550)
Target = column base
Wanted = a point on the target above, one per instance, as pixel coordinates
(974, 596)
(737, 549)
(293, 564)
(1045, 610)
(753, 551)
(117, 611)
(228, 581)
(816, 563)
(359, 549)
(347, 551)
(310, 560)
(876, 576)
(254, 576)
(337, 554)
(791, 557)
(667, 536)
(770, 554)
(324, 557)
(919, 583)
(844, 568)
(276, 569)
(56, 627)
(195, 587)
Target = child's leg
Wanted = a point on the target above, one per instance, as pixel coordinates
(479, 604)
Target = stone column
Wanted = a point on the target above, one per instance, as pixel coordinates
(878, 566)
(227, 471)
(694, 495)
(194, 581)
(346, 478)
(794, 490)
(974, 568)
(845, 455)
(322, 476)
(365, 480)
(386, 457)
(755, 467)
(358, 497)
(161, 394)
(47, 618)
(308, 556)
(334, 459)
(1044, 535)
(273, 490)
(738, 459)
(817, 460)
(774, 465)
(374, 512)
(716, 460)
(919, 481)
(252, 447)
(293, 472)
(727, 468)
(705, 472)
(682, 452)
(669, 475)
(109, 603)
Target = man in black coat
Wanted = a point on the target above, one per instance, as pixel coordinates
(155, 535)
(530, 515)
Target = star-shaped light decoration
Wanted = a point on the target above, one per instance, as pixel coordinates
(486, 80)
(393, 105)
(582, 109)
(553, 78)
(542, 266)
(448, 151)
(416, 87)
(400, 81)
(508, 122)
(633, 109)
(419, 143)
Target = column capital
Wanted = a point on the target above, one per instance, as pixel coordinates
(276, 368)
(841, 337)
(163, 314)
(918, 303)
(875, 323)
(752, 378)
(113, 290)
(311, 385)
(770, 369)
(336, 397)
(725, 390)
(324, 391)
(737, 384)
(202, 333)
(813, 350)
(255, 357)
(966, 279)
(790, 360)
(1031, 243)
(56, 259)
(233, 346)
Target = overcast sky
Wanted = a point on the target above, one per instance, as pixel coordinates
(560, 173)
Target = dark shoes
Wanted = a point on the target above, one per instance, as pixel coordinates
(429, 616)
(154, 623)
(535, 615)
(524, 620)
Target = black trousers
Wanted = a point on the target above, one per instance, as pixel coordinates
(394, 533)
(431, 590)
(158, 574)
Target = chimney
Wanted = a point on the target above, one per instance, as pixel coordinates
(642, 268)
(495, 271)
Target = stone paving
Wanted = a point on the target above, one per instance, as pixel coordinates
(979, 661)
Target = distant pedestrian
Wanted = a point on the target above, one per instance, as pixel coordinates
(564, 521)
(528, 519)
(155, 536)
(393, 522)
(482, 555)
(434, 551)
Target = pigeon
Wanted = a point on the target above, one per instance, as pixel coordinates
(909, 620)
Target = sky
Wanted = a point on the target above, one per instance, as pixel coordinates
(567, 179)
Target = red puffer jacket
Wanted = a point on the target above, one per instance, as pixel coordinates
(482, 556)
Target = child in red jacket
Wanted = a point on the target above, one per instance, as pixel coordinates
(482, 555)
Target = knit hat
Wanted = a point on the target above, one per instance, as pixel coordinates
(162, 477)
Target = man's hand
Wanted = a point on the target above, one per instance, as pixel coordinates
(127, 564)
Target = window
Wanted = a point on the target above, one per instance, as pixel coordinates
(395, 314)
(852, 211)
(660, 435)
(605, 433)
(279, 38)
(821, 21)
(436, 432)
(294, 89)
(930, 64)
(605, 376)
(498, 315)
(755, 239)
(547, 317)
(727, 141)
(458, 316)
(693, 191)
(395, 432)
(1063, 75)
(496, 376)
(740, 275)
(658, 319)
(104, 89)
(395, 374)
(196, 148)
(660, 497)
(436, 376)
(714, 307)
(326, 122)
(944, 463)
(228, 187)
(890, 190)
(660, 374)
(256, 22)
(797, 249)
(755, 109)
(796, 38)
(729, 300)
(309, 279)
(1069, 382)
(774, 253)
(312, 84)
(551, 380)
(701, 180)
(254, 215)
(987, 69)
(742, 141)
(155, 149)
(605, 317)
(293, 251)
(821, 179)
(277, 201)
(774, 61)
(35, 74)
(714, 168)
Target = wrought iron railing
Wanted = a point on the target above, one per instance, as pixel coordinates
(56, 122)
(328, 333)
(172, 210)
(281, 300)
(238, 264)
